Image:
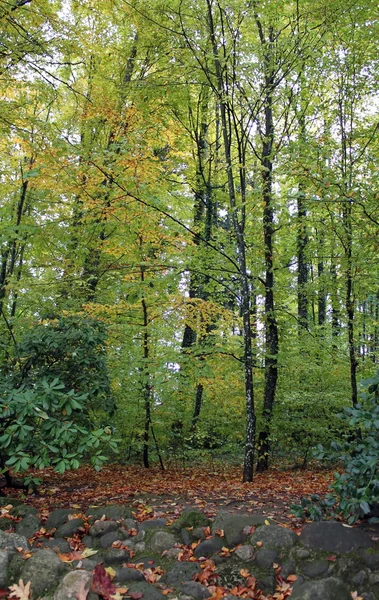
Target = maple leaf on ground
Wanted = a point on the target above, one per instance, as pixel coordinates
(135, 595)
(102, 584)
(20, 590)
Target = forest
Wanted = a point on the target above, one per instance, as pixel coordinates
(188, 232)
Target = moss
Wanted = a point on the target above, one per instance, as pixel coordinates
(190, 518)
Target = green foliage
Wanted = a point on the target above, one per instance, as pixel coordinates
(46, 395)
(356, 488)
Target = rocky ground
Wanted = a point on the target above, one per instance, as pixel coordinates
(119, 551)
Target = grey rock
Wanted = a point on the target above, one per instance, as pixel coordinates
(56, 544)
(116, 556)
(190, 518)
(330, 536)
(345, 566)
(12, 541)
(288, 568)
(4, 501)
(28, 526)
(198, 534)
(208, 547)
(186, 537)
(126, 574)
(44, 570)
(16, 564)
(130, 524)
(152, 524)
(68, 529)
(265, 557)
(274, 536)
(360, 578)
(58, 517)
(100, 528)
(111, 511)
(245, 552)
(4, 562)
(373, 578)
(370, 559)
(301, 553)
(24, 509)
(315, 568)
(368, 596)
(267, 583)
(180, 572)
(140, 536)
(161, 541)
(5, 524)
(88, 541)
(72, 584)
(323, 589)
(107, 540)
(84, 563)
(139, 547)
(173, 553)
(195, 590)
(233, 526)
(149, 591)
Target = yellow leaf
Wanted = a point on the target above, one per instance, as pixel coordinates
(111, 572)
(267, 522)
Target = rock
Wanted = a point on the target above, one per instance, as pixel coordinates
(330, 536)
(72, 584)
(233, 526)
(360, 577)
(323, 589)
(173, 553)
(195, 590)
(139, 547)
(288, 568)
(15, 567)
(373, 578)
(274, 536)
(149, 591)
(370, 559)
(68, 529)
(152, 524)
(140, 536)
(267, 583)
(315, 568)
(301, 553)
(208, 547)
(245, 552)
(4, 501)
(4, 562)
(56, 544)
(265, 557)
(23, 509)
(111, 511)
(5, 523)
(161, 541)
(126, 574)
(107, 540)
(100, 528)
(44, 570)
(186, 537)
(180, 572)
(84, 563)
(12, 541)
(190, 518)
(130, 524)
(198, 534)
(116, 556)
(88, 541)
(58, 517)
(28, 526)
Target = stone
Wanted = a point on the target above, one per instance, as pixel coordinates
(139, 547)
(274, 536)
(44, 570)
(234, 525)
(180, 572)
(116, 556)
(28, 526)
(265, 557)
(149, 591)
(127, 574)
(72, 584)
(58, 517)
(84, 563)
(4, 501)
(173, 553)
(186, 537)
(130, 524)
(13, 541)
(5, 523)
(195, 590)
(140, 536)
(111, 511)
(23, 509)
(190, 518)
(360, 578)
(152, 524)
(15, 567)
(161, 541)
(370, 559)
(100, 528)
(288, 568)
(315, 568)
(107, 540)
(88, 541)
(330, 536)
(198, 534)
(56, 544)
(208, 547)
(301, 553)
(245, 552)
(4, 562)
(322, 589)
(68, 529)
(267, 583)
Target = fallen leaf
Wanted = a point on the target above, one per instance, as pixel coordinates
(267, 522)
(259, 544)
(135, 595)
(292, 578)
(244, 573)
(111, 572)
(331, 558)
(101, 583)
(20, 590)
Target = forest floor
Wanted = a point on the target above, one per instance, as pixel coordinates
(156, 493)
